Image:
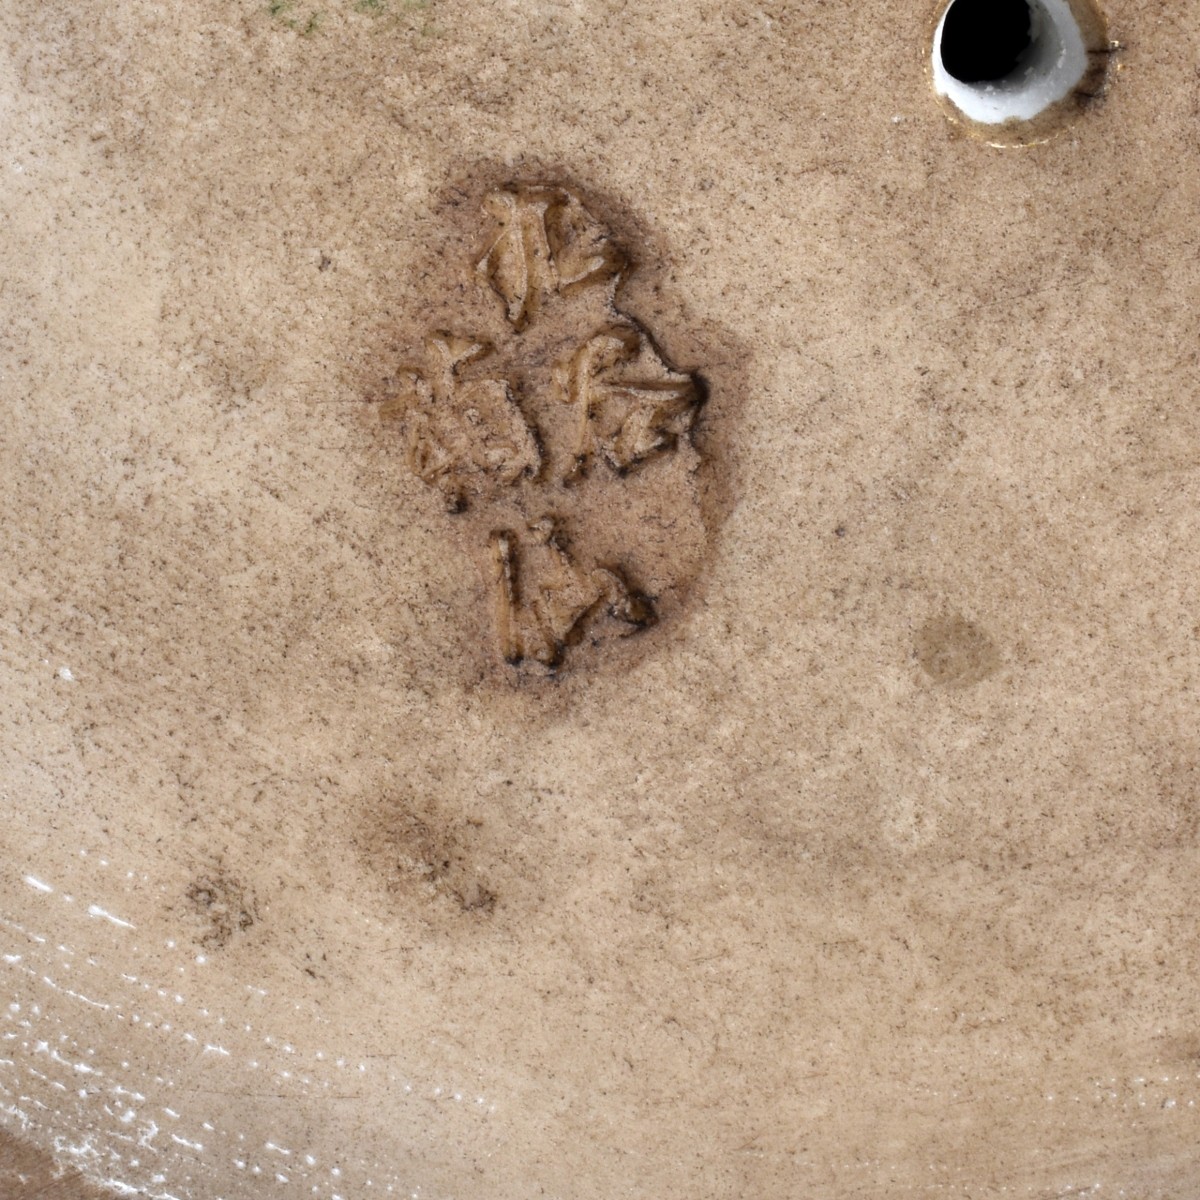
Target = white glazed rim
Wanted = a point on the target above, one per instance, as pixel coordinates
(1055, 62)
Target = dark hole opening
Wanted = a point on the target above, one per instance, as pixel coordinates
(984, 40)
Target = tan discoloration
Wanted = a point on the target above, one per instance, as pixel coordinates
(429, 860)
(955, 653)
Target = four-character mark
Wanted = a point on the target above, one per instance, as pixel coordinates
(523, 424)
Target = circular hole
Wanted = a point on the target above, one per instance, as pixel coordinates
(1011, 60)
(983, 41)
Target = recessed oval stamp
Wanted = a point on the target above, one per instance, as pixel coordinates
(559, 437)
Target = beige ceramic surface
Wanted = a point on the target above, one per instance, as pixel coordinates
(869, 872)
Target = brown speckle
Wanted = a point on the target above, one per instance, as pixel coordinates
(222, 906)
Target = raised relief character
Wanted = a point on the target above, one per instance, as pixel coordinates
(630, 405)
(465, 436)
(547, 242)
(544, 600)
(581, 249)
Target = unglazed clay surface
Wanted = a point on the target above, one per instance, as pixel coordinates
(596, 600)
